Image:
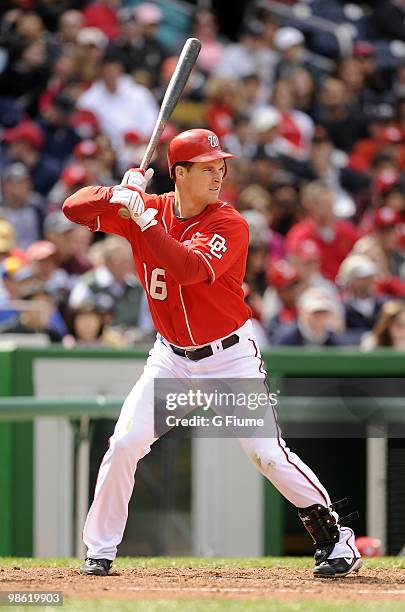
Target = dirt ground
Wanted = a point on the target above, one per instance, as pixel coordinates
(221, 583)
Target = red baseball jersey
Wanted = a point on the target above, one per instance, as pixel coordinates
(191, 269)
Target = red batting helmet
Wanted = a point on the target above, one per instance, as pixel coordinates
(195, 146)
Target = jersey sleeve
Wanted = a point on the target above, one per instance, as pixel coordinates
(91, 207)
(220, 245)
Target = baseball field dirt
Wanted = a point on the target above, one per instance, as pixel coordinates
(214, 584)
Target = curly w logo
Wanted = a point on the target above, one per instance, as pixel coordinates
(214, 142)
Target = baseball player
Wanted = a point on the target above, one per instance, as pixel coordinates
(190, 252)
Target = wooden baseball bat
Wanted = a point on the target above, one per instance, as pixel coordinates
(184, 66)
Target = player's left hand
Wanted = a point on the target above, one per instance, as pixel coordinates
(137, 178)
(130, 199)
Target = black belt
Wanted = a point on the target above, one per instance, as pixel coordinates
(204, 351)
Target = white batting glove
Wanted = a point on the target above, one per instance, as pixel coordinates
(129, 199)
(137, 178)
(132, 201)
(147, 219)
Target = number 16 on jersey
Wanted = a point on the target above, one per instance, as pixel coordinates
(156, 287)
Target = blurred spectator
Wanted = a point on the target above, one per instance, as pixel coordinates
(357, 276)
(40, 315)
(389, 329)
(85, 123)
(265, 125)
(374, 90)
(57, 282)
(152, 53)
(30, 27)
(116, 278)
(15, 277)
(61, 232)
(63, 77)
(285, 202)
(279, 304)
(290, 43)
(89, 324)
(264, 245)
(351, 74)
(119, 103)
(140, 51)
(89, 52)
(73, 177)
(344, 125)
(128, 43)
(319, 321)
(334, 238)
(26, 74)
(382, 245)
(108, 160)
(304, 90)
(249, 93)
(205, 28)
(102, 14)
(131, 153)
(253, 200)
(88, 155)
(50, 11)
(223, 100)
(249, 56)
(380, 121)
(306, 259)
(7, 239)
(327, 164)
(20, 206)
(24, 144)
(69, 25)
(386, 190)
(60, 136)
(256, 265)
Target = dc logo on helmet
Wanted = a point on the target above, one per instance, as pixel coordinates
(214, 142)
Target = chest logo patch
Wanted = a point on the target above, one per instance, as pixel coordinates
(218, 246)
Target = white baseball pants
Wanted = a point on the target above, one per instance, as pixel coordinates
(134, 435)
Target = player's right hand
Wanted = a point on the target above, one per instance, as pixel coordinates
(129, 199)
(137, 178)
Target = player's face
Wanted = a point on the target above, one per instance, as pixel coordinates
(204, 180)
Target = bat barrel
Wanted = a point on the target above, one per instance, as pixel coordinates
(184, 66)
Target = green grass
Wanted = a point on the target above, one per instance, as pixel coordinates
(298, 562)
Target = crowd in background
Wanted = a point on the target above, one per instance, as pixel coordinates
(319, 173)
